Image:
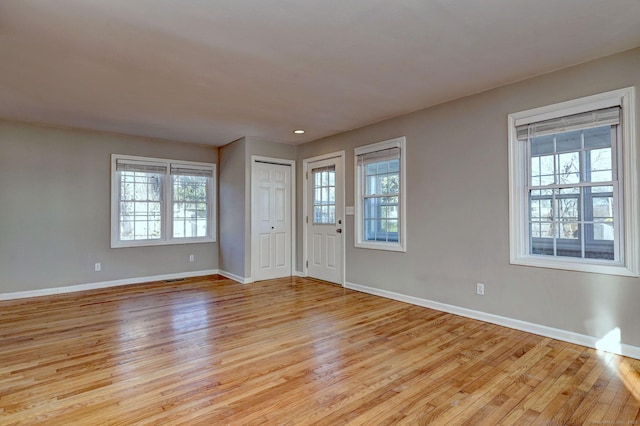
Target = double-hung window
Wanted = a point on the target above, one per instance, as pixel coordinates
(380, 195)
(573, 185)
(158, 201)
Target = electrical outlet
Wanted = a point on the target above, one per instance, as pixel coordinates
(192, 258)
(480, 289)
(98, 267)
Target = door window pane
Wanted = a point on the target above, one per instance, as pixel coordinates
(324, 195)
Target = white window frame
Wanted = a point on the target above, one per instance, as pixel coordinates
(360, 242)
(627, 264)
(167, 209)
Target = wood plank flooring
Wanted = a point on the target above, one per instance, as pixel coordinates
(293, 351)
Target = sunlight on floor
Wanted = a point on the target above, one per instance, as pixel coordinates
(626, 369)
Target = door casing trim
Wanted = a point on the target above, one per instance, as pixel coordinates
(340, 156)
(294, 250)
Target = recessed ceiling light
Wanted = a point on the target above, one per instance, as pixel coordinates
(298, 132)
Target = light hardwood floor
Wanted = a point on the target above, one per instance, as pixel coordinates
(294, 352)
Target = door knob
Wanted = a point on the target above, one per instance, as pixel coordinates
(339, 231)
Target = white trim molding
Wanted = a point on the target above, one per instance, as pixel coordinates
(293, 202)
(235, 277)
(340, 157)
(103, 284)
(541, 330)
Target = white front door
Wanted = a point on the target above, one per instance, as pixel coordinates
(324, 220)
(271, 220)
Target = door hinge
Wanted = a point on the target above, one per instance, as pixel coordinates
(306, 174)
(307, 219)
(307, 263)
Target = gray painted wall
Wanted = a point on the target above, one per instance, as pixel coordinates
(457, 209)
(55, 209)
(232, 207)
(264, 149)
(235, 199)
(457, 173)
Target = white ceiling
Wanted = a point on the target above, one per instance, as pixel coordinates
(212, 71)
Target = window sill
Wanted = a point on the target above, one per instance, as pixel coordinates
(151, 243)
(607, 268)
(381, 246)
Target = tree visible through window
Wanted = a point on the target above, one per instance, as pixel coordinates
(157, 201)
(190, 204)
(380, 195)
(140, 201)
(572, 193)
(573, 190)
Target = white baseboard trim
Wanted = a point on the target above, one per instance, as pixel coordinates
(235, 277)
(249, 280)
(102, 284)
(554, 333)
